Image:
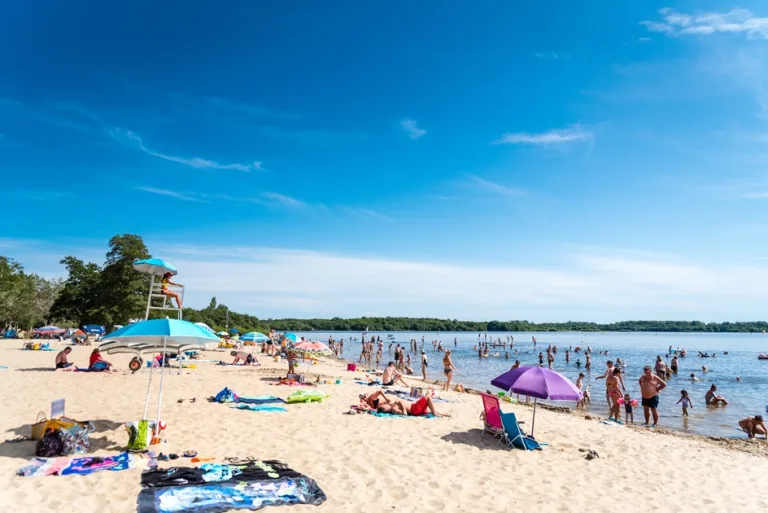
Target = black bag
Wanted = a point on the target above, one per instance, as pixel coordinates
(51, 445)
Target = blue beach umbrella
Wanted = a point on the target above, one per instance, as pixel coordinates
(234, 331)
(254, 336)
(154, 266)
(94, 329)
(291, 336)
(155, 335)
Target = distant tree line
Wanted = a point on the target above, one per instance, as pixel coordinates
(114, 293)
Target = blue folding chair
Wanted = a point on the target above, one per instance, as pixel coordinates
(514, 436)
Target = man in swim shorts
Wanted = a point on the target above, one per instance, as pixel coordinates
(243, 356)
(392, 375)
(754, 426)
(650, 386)
(61, 359)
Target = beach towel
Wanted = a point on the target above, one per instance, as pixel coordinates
(393, 416)
(229, 396)
(80, 466)
(259, 407)
(250, 486)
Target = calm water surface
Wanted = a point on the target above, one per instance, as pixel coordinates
(746, 398)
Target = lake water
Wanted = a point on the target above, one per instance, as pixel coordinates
(747, 397)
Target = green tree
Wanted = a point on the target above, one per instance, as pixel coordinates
(77, 300)
(122, 290)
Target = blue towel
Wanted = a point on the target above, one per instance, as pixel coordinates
(260, 407)
(261, 399)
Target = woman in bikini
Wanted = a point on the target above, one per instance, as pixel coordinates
(165, 289)
(374, 400)
(448, 369)
(421, 407)
(614, 394)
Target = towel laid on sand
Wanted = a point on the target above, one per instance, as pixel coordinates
(259, 407)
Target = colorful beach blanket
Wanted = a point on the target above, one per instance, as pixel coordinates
(80, 466)
(229, 396)
(219, 488)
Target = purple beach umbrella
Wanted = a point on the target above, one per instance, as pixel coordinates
(538, 383)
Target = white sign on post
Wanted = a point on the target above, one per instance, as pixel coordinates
(57, 409)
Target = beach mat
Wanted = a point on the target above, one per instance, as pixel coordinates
(391, 416)
(80, 466)
(219, 488)
(259, 407)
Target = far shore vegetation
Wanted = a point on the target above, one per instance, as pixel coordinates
(114, 293)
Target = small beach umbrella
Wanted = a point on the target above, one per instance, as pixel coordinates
(154, 266)
(222, 334)
(291, 336)
(311, 348)
(49, 330)
(538, 383)
(254, 336)
(94, 329)
(234, 331)
(155, 335)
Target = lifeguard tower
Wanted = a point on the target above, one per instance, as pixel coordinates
(156, 300)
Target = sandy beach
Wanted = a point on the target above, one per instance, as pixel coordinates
(361, 461)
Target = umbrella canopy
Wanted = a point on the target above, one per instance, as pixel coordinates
(204, 325)
(254, 336)
(49, 330)
(223, 334)
(234, 331)
(291, 336)
(312, 348)
(94, 329)
(154, 331)
(79, 334)
(538, 382)
(154, 266)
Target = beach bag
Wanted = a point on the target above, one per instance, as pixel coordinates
(38, 428)
(51, 445)
(139, 435)
(75, 439)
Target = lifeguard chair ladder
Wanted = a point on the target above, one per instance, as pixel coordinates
(156, 268)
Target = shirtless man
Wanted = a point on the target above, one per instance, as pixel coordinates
(61, 359)
(609, 372)
(612, 384)
(650, 386)
(714, 400)
(391, 375)
(420, 407)
(754, 426)
(243, 356)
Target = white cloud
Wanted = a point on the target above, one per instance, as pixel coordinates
(553, 137)
(736, 21)
(495, 187)
(132, 139)
(552, 55)
(172, 194)
(757, 195)
(411, 128)
(643, 39)
(367, 212)
(284, 200)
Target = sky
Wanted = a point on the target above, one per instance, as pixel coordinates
(600, 161)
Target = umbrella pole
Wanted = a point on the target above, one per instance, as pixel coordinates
(149, 385)
(160, 398)
(533, 422)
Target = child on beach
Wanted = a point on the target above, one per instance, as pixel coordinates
(628, 414)
(686, 402)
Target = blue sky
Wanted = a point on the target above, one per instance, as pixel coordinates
(468, 160)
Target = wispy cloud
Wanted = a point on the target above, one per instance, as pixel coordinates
(252, 110)
(553, 137)
(552, 55)
(643, 39)
(367, 212)
(494, 187)
(172, 194)
(284, 200)
(757, 195)
(736, 21)
(132, 139)
(411, 128)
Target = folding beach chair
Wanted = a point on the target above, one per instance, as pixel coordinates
(513, 434)
(491, 418)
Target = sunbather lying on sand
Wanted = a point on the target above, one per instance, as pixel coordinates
(421, 407)
(372, 401)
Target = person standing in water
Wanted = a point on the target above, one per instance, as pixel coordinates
(650, 386)
(424, 364)
(448, 369)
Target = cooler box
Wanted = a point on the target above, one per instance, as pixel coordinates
(352, 367)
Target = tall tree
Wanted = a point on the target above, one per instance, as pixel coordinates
(45, 294)
(77, 300)
(123, 290)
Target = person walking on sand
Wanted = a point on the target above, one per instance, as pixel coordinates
(650, 386)
(448, 369)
